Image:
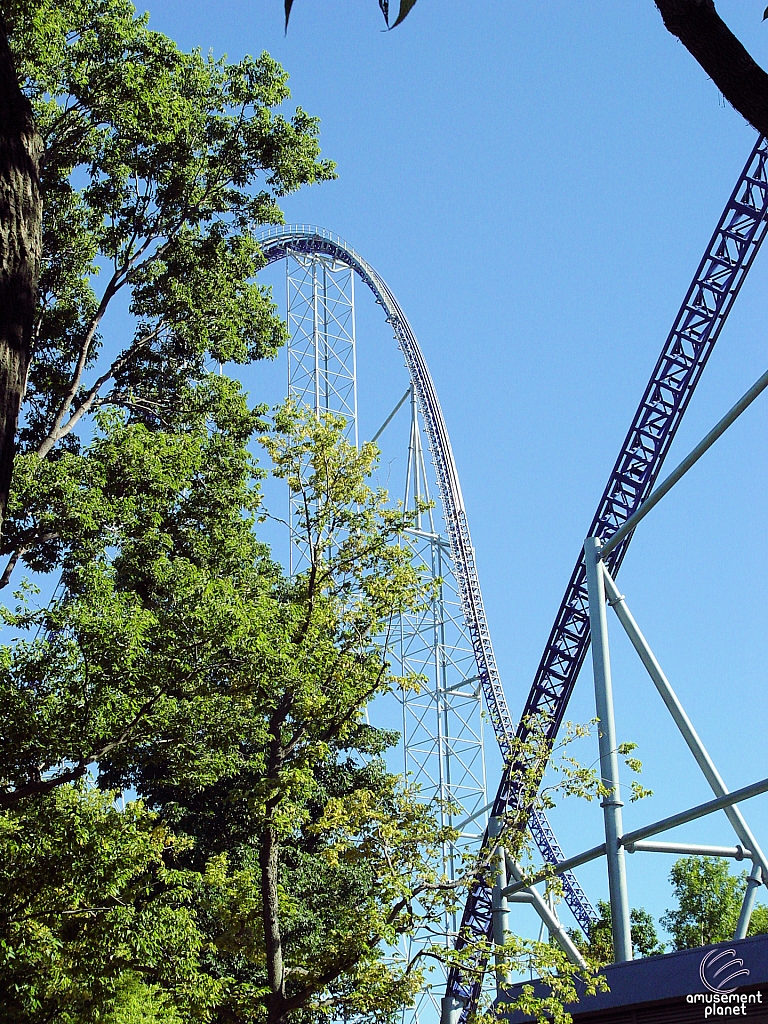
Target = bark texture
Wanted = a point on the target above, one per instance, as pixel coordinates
(20, 249)
(270, 865)
(708, 39)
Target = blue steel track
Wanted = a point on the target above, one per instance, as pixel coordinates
(710, 297)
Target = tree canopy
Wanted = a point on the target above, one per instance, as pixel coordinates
(266, 862)
(709, 900)
(599, 943)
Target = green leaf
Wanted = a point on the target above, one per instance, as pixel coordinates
(405, 9)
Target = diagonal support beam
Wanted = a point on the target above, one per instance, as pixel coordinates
(639, 834)
(675, 708)
(609, 761)
(561, 936)
(391, 416)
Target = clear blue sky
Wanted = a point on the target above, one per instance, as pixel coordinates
(537, 182)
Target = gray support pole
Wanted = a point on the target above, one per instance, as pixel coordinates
(609, 761)
(451, 1009)
(689, 849)
(556, 930)
(753, 883)
(748, 904)
(499, 908)
(681, 719)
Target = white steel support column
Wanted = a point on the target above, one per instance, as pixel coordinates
(442, 721)
(681, 719)
(443, 751)
(442, 732)
(500, 907)
(451, 1010)
(609, 761)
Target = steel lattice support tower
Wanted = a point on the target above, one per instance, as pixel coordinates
(322, 367)
(443, 750)
(442, 736)
(442, 722)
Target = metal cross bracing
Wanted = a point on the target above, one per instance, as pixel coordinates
(320, 304)
(726, 262)
(282, 242)
(442, 720)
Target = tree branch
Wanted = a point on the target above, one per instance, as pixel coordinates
(66, 403)
(87, 404)
(20, 551)
(5, 579)
(711, 43)
(43, 786)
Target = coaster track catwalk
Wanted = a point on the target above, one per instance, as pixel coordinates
(281, 242)
(728, 257)
(710, 297)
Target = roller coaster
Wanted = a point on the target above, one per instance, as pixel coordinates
(684, 355)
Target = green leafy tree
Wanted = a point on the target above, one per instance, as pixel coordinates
(180, 156)
(158, 168)
(709, 900)
(288, 861)
(87, 897)
(645, 941)
(271, 862)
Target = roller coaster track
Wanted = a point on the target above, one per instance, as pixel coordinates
(710, 297)
(281, 242)
(278, 243)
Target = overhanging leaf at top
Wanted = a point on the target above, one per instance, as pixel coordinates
(405, 9)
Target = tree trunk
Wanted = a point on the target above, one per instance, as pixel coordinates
(21, 210)
(708, 39)
(269, 865)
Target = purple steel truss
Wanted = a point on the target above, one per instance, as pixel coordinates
(721, 273)
(731, 251)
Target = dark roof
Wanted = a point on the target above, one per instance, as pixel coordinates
(669, 977)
